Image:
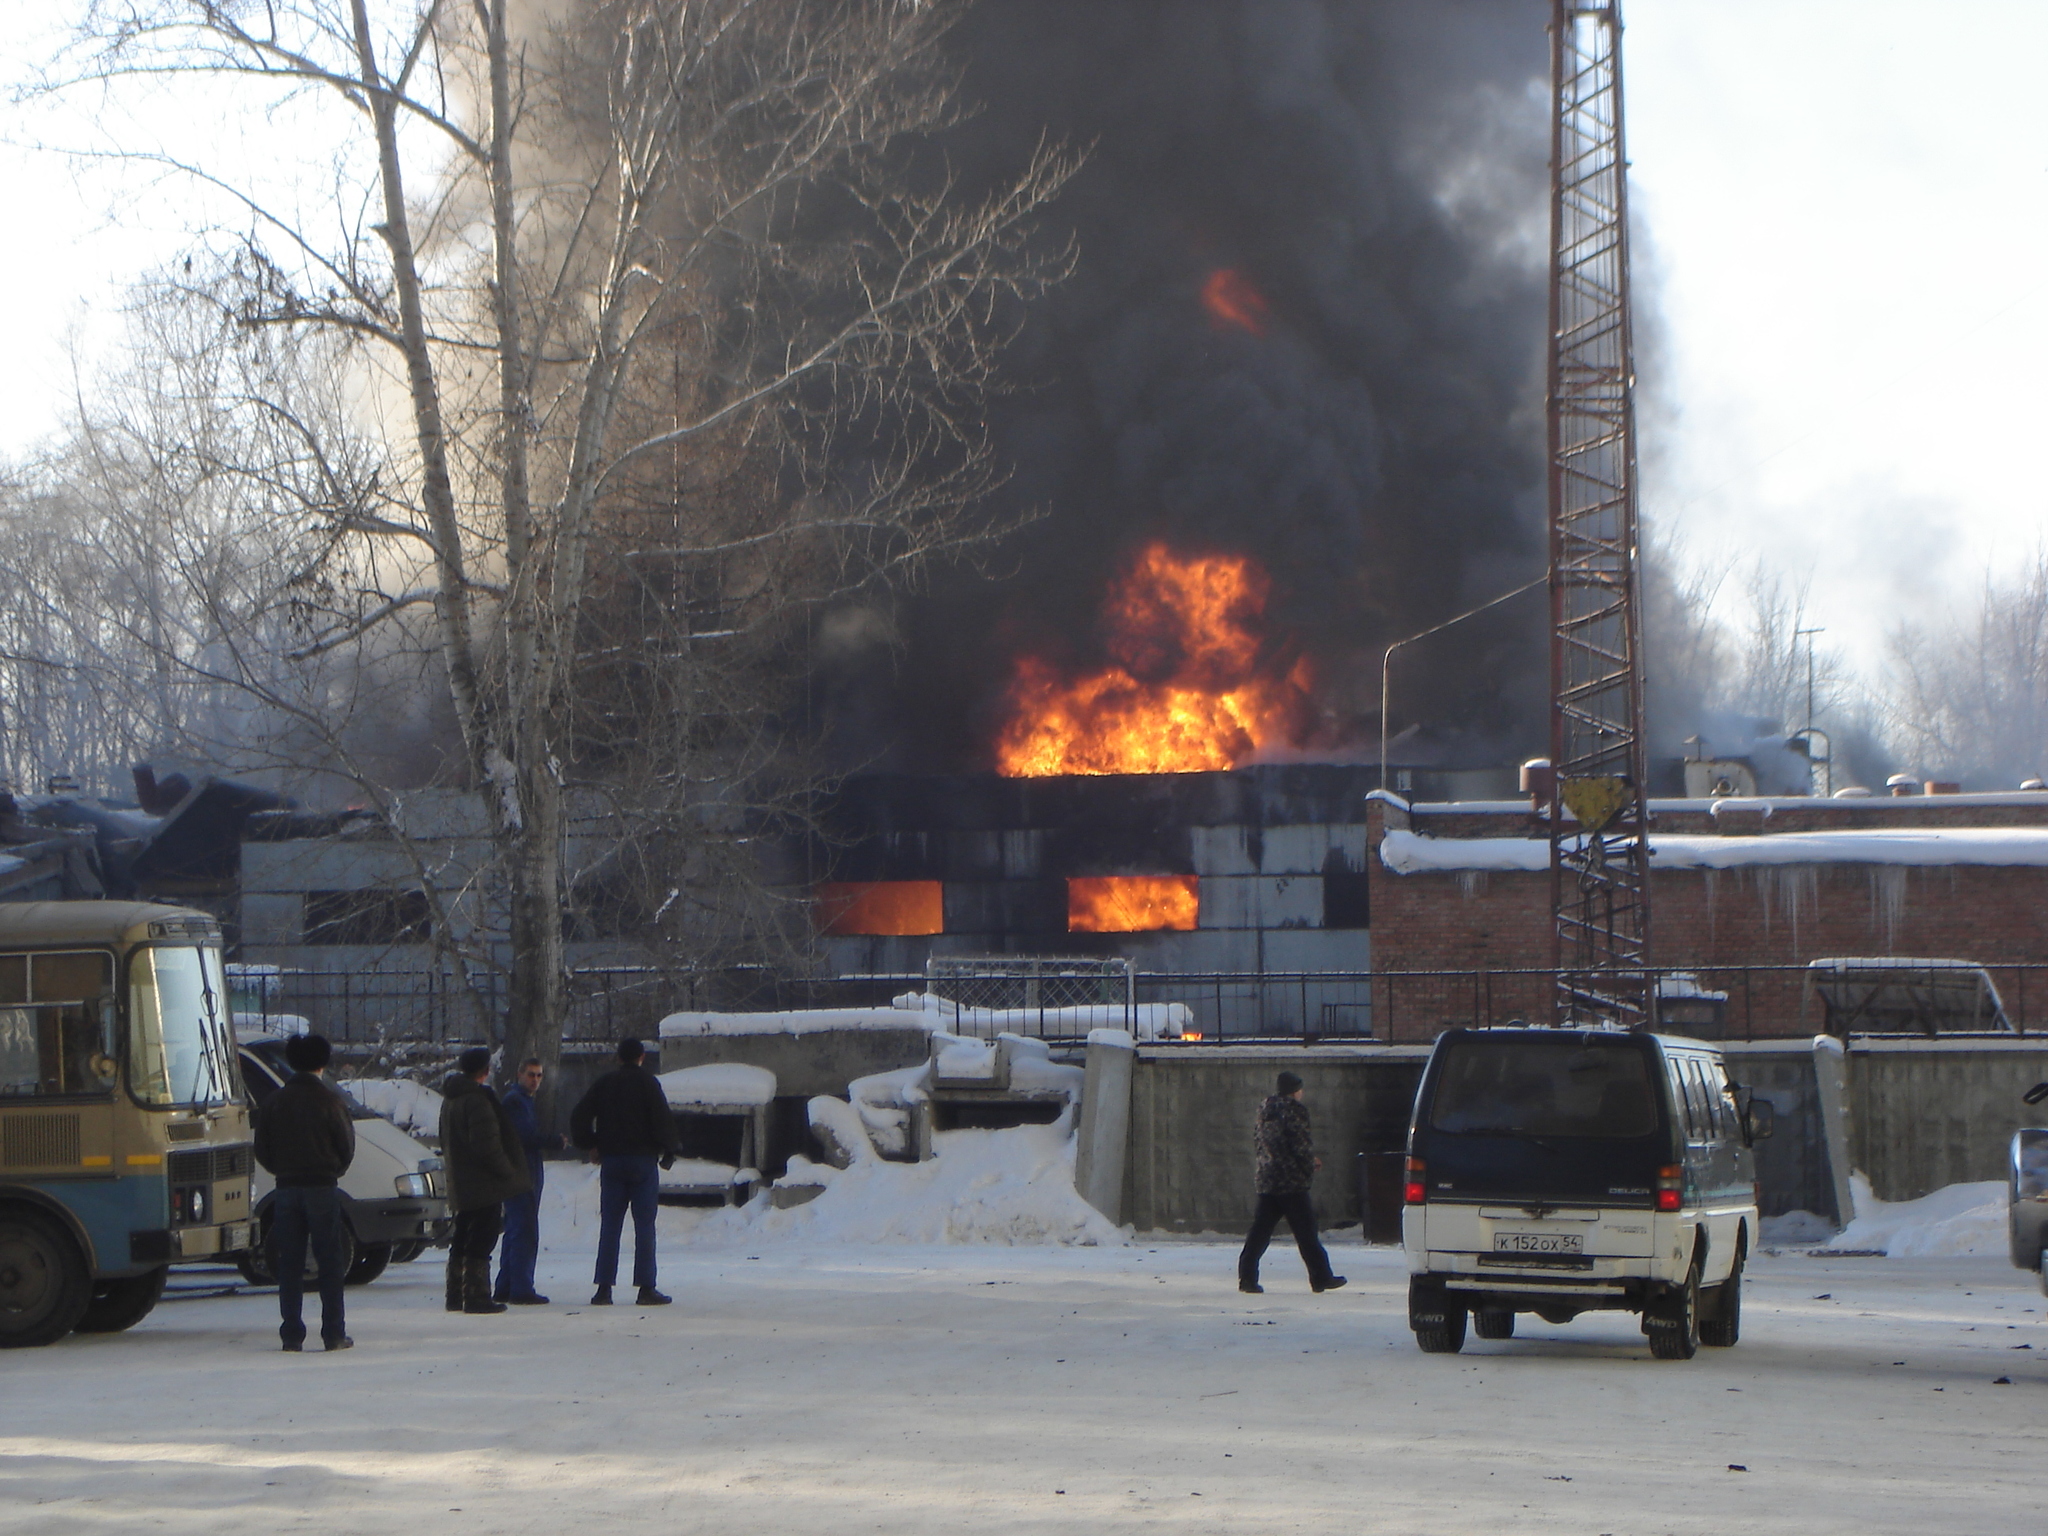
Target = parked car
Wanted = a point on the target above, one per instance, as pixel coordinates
(1561, 1171)
(392, 1198)
(2027, 1191)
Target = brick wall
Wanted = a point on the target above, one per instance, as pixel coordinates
(1722, 923)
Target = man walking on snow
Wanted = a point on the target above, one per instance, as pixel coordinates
(1287, 1166)
(625, 1119)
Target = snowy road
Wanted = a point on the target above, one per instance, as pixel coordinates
(909, 1390)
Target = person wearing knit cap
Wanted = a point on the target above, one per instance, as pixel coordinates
(1287, 1165)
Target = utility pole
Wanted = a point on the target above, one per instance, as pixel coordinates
(1600, 859)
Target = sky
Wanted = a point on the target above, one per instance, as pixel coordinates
(1841, 209)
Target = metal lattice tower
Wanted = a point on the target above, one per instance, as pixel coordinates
(1599, 861)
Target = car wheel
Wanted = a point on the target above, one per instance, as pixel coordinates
(44, 1284)
(258, 1262)
(2043, 1266)
(1494, 1323)
(1674, 1329)
(117, 1305)
(405, 1253)
(369, 1263)
(1722, 1327)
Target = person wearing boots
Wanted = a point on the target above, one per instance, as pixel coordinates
(1287, 1166)
(625, 1119)
(305, 1139)
(486, 1166)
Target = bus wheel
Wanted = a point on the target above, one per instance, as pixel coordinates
(119, 1304)
(44, 1285)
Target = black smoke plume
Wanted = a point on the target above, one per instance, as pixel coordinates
(1362, 186)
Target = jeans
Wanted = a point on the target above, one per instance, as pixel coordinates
(521, 1248)
(1300, 1214)
(300, 1217)
(622, 1183)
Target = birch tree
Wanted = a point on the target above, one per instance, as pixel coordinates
(658, 310)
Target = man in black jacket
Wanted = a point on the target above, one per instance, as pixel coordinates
(486, 1166)
(625, 1119)
(305, 1139)
(1287, 1164)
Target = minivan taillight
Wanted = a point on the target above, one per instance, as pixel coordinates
(1414, 1191)
(1670, 1187)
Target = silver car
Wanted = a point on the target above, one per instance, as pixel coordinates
(2026, 1177)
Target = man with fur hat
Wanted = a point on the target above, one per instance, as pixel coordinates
(1287, 1166)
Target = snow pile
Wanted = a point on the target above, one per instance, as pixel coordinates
(1006, 1187)
(794, 1021)
(1795, 1228)
(721, 1083)
(411, 1106)
(1959, 1220)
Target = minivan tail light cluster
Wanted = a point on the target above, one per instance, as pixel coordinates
(1414, 1191)
(1670, 1190)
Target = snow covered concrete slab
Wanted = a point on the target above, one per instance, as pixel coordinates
(923, 1390)
(1411, 853)
(724, 1084)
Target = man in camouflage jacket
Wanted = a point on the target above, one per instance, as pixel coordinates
(1287, 1166)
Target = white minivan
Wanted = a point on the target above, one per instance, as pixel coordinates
(392, 1198)
(1560, 1171)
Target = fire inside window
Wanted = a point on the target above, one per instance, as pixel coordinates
(857, 908)
(1132, 903)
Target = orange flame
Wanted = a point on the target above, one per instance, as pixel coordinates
(1232, 302)
(1132, 903)
(852, 907)
(1186, 694)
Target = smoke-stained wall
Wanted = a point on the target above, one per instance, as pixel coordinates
(1361, 188)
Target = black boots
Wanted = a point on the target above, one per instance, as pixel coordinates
(476, 1288)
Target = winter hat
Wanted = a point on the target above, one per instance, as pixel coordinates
(1289, 1083)
(474, 1060)
(307, 1053)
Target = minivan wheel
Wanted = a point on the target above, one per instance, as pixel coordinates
(1674, 1328)
(1723, 1326)
(1494, 1323)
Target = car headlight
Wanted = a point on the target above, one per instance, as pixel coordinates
(416, 1185)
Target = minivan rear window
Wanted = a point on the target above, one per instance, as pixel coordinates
(1561, 1087)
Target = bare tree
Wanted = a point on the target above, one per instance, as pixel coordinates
(686, 331)
(1969, 697)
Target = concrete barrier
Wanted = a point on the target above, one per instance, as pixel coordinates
(1104, 1136)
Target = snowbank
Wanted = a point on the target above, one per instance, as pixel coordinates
(721, 1083)
(1005, 1187)
(409, 1105)
(794, 1021)
(1410, 853)
(1961, 1219)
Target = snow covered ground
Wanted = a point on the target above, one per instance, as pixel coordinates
(804, 1386)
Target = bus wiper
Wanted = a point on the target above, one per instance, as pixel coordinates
(1509, 1130)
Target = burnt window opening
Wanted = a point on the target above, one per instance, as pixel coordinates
(368, 917)
(1346, 902)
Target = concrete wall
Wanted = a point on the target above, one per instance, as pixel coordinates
(1191, 1163)
(1927, 1113)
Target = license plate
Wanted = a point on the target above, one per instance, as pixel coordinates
(1538, 1242)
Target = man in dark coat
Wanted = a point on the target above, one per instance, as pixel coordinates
(486, 1166)
(305, 1139)
(1287, 1166)
(625, 1119)
(521, 1248)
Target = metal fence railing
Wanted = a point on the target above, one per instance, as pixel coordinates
(1385, 1007)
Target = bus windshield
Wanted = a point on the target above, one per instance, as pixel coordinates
(1555, 1087)
(179, 1052)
